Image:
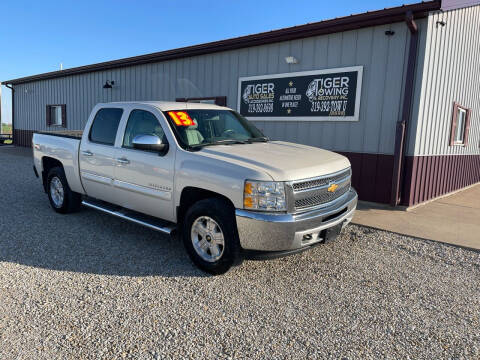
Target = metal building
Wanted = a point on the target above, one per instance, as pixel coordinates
(395, 90)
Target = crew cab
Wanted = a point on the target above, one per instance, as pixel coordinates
(201, 169)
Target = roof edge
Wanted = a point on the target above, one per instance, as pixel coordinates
(352, 22)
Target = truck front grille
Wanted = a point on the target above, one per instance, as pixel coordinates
(315, 192)
(320, 181)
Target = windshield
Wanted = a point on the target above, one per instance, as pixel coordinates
(197, 128)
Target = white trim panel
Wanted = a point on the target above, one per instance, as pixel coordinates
(164, 195)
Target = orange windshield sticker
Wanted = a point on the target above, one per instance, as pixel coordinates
(181, 118)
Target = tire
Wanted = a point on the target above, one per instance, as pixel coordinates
(62, 199)
(201, 229)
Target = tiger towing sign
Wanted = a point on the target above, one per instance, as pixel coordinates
(318, 95)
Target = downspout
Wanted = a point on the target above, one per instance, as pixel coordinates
(13, 111)
(402, 125)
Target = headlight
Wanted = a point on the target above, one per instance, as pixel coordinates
(264, 195)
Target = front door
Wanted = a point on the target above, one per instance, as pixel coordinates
(97, 154)
(144, 179)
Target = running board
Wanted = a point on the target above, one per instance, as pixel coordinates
(132, 216)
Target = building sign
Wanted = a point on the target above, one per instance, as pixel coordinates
(320, 95)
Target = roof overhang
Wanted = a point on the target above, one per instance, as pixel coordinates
(352, 22)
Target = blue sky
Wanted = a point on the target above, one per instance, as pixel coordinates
(36, 36)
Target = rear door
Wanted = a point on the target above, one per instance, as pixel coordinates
(97, 153)
(144, 179)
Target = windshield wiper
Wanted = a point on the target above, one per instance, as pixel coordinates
(259, 139)
(221, 142)
(230, 141)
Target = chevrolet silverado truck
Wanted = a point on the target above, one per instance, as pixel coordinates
(203, 170)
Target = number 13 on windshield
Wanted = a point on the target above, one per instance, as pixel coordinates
(181, 118)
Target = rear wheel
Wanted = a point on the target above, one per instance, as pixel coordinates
(210, 236)
(62, 199)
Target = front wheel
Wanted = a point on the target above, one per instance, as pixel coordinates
(210, 236)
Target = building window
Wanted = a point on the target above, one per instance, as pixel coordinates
(460, 125)
(56, 115)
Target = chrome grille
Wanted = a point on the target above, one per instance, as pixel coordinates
(313, 183)
(314, 192)
(322, 198)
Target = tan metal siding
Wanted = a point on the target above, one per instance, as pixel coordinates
(451, 71)
(383, 58)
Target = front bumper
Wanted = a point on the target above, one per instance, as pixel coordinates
(285, 232)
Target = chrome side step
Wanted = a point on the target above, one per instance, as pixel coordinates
(137, 218)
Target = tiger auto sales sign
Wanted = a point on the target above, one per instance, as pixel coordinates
(319, 95)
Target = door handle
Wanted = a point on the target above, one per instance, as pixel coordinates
(123, 161)
(87, 153)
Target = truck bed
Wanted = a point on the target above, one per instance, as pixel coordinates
(62, 146)
(72, 134)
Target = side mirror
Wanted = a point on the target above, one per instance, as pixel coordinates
(150, 143)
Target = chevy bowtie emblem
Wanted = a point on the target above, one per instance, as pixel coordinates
(332, 188)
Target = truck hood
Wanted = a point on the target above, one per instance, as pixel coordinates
(283, 161)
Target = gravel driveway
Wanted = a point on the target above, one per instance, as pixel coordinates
(91, 286)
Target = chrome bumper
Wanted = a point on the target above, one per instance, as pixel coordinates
(283, 232)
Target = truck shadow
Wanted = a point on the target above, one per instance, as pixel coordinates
(91, 242)
(32, 234)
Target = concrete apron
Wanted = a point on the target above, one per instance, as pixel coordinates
(453, 219)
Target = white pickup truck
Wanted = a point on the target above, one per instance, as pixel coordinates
(202, 169)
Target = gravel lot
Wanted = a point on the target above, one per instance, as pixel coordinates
(91, 286)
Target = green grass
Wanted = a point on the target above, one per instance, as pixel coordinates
(6, 129)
